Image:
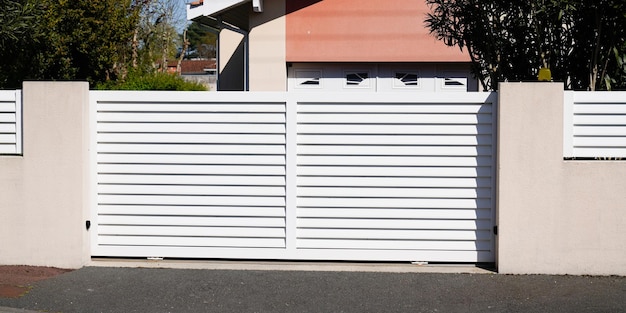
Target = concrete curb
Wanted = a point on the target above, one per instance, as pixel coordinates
(291, 266)
(13, 310)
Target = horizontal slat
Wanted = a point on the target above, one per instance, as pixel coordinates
(393, 203)
(7, 128)
(302, 254)
(7, 117)
(370, 192)
(206, 180)
(394, 108)
(191, 159)
(598, 96)
(395, 129)
(599, 108)
(338, 118)
(600, 141)
(394, 182)
(169, 210)
(191, 241)
(192, 149)
(600, 130)
(394, 224)
(394, 150)
(393, 244)
(186, 107)
(8, 95)
(405, 160)
(257, 232)
(7, 106)
(396, 139)
(364, 98)
(191, 221)
(8, 149)
(468, 214)
(193, 138)
(8, 138)
(399, 234)
(184, 97)
(193, 117)
(217, 128)
(191, 200)
(192, 190)
(600, 119)
(395, 171)
(191, 169)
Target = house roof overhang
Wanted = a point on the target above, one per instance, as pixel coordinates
(233, 12)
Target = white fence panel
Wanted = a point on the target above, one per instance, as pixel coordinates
(295, 176)
(390, 173)
(594, 124)
(10, 122)
(179, 170)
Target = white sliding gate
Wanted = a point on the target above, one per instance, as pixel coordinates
(384, 176)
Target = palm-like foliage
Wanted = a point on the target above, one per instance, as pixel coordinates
(582, 42)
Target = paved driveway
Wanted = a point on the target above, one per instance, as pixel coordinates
(105, 289)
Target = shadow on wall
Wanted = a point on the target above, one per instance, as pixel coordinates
(231, 77)
(485, 193)
(295, 5)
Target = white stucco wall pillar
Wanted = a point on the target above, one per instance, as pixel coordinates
(44, 193)
(554, 216)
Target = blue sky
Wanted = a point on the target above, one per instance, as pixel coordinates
(182, 10)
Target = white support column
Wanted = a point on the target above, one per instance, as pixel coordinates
(291, 175)
(568, 124)
(18, 122)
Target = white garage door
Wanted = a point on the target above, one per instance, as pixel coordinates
(381, 77)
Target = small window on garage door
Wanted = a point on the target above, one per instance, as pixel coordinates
(308, 79)
(406, 79)
(357, 79)
(453, 81)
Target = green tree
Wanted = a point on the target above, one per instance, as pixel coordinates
(202, 41)
(155, 39)
(87, 40)
(19, 40)
(96, 41)
(582, 42)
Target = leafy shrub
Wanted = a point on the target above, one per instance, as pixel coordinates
(155, 81)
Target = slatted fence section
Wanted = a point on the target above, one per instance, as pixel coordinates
(10, 122)
(390, 178)
(295, 176)
(595, 124)
(179, 174)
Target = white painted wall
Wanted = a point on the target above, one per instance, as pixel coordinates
(267, 48)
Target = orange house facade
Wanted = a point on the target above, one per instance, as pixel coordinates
(331, 45)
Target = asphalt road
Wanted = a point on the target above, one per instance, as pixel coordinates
(103, 289)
